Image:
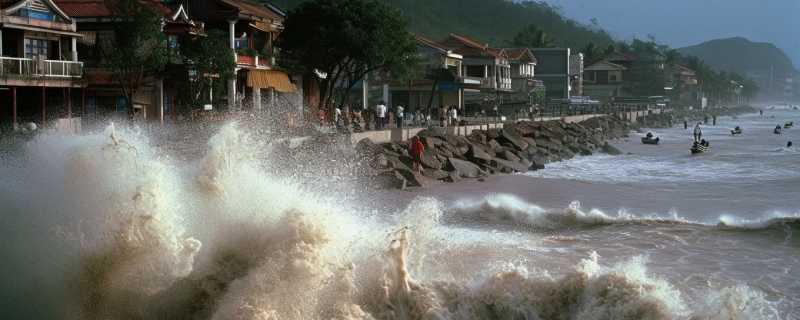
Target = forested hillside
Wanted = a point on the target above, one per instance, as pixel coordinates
(492, 21)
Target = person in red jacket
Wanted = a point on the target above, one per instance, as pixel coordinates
(415, 149)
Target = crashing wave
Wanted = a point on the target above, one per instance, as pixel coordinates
(509, 209)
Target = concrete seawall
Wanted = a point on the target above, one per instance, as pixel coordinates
(397, 135)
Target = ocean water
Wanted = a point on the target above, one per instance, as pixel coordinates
(121, 223)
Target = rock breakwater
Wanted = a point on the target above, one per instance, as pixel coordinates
(517, 147)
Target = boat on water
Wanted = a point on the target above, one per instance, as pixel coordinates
(700, 147)
(777, 130)
(788, 125)
(736, 131)
(651, 139)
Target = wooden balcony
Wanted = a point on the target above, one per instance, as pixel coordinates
(253, 61)
(37, 68)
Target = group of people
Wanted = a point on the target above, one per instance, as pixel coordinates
(381, 115)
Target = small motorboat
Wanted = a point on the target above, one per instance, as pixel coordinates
(700, 147)
(788, 125)
(777, 130)
(736, 131)
(650, 139)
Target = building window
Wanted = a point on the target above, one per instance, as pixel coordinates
(475, 71)
(612, 77)
(36, 47)
(36, 14)
(172, 41)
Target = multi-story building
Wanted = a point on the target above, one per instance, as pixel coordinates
(40, 74)
(485, 66)
(527, 92)
(442, 84)
(252, 29)
(554, 70)
(155, 97)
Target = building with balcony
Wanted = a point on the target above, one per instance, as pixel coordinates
(253, 29)
(39, 66)
(103, 98)
(442, 84)
(486, 71)
(527, 92)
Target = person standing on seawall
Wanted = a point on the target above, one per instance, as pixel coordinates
(380, 115)
(400, 116)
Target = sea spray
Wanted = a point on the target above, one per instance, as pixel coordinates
(112, 223)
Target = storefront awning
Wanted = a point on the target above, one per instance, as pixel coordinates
(265, 79)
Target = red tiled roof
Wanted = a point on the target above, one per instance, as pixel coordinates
(519, 53)
(431, 43)
(467, 42)
(98, 8)
(253, 9)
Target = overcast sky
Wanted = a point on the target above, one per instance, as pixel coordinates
(681, 23)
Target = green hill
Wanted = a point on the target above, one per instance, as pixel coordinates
(492, 21)
(755, 59)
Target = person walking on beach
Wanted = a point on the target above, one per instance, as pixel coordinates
(698, 133)
(714, 119)
(453, 116)
(416, 148)
(685, 125)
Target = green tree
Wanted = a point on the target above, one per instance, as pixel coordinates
(209, 64)
(533, 37)
(137, 49)
(344, 40)
(592, 53)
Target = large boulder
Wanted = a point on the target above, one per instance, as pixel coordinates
(452, 177)
(511, 136)
(494, 145)
(411, 178)
(549, 145)
(435, 174)
(438, 132)
(513, 166)
(493, 133)
(510, 156)
(464, 169)
(429, 159)
(537, 163)
(609, 149)
(367, 147)
(431, 142)
(476, 152)
(401, 162)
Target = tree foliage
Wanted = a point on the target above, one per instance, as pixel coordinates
(344, 40)
(647, 74)
(137, 49)
(210, 63)
(533, 37)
